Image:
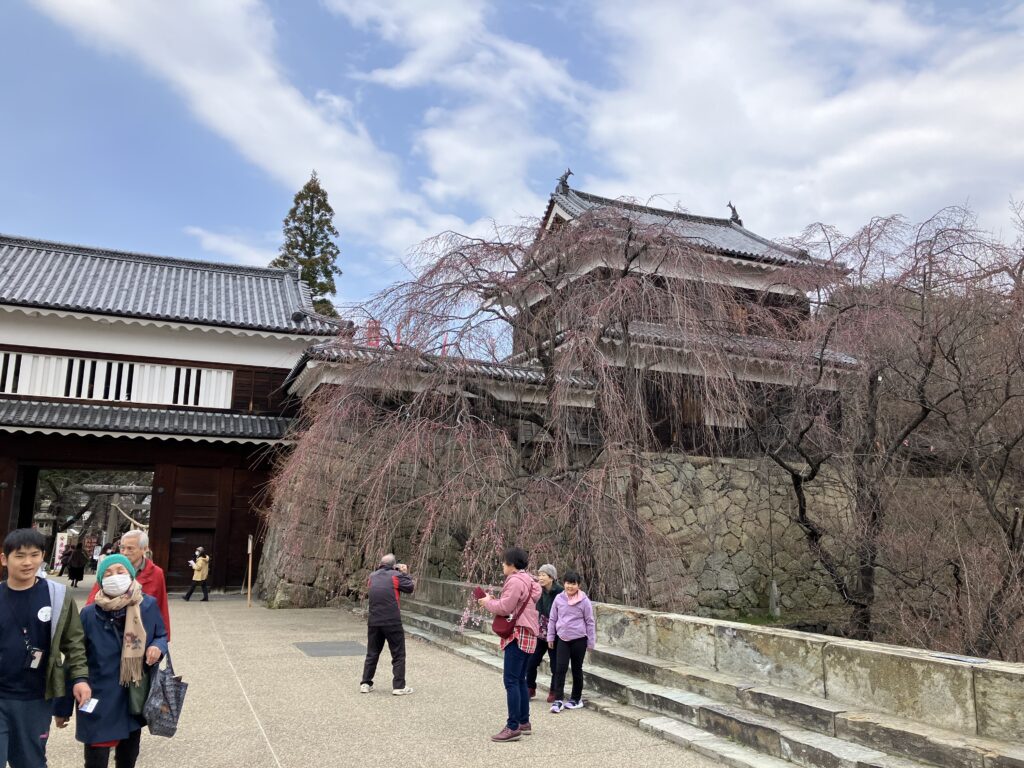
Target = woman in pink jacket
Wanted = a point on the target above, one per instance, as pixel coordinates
(518, 599)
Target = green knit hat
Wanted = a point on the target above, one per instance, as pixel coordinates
(110, 560)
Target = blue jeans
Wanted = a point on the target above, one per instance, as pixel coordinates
(516, 694)
(24, 728)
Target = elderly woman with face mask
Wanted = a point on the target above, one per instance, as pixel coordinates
(124, 637)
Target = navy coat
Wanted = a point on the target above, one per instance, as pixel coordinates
(103, 639)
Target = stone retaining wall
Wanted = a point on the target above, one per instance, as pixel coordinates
(732, 522)
(729, 521)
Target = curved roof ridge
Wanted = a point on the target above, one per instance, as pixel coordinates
(718, 234)
(626, 202)
(114, 253)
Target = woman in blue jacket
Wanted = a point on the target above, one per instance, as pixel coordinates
(124, 637)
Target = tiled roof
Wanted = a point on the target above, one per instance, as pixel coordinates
(736, 344)
(350, 353)
(759, 347)
(37, 273)
(29, 415)
(714, 234)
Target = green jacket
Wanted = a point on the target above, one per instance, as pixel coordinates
(67, 660)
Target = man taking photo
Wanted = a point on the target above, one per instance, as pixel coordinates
(384, 622)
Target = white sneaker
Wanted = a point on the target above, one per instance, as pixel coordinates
(401, 691)
(365, 687)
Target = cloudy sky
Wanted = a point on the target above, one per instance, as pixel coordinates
(184, 128)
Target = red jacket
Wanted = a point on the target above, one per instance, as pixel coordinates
(151, 579)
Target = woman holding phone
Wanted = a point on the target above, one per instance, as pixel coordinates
(517, 601)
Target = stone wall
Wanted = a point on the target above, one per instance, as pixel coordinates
(732, 523)
(729, 523)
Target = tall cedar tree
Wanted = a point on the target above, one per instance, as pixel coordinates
(309, 234)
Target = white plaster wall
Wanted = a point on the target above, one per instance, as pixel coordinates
(114, 336)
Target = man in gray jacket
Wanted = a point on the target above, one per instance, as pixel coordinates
(384, 622)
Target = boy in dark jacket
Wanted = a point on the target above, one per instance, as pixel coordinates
(384, 622)
(41, 646)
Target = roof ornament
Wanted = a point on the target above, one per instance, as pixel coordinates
(735, 216)
(563, 182)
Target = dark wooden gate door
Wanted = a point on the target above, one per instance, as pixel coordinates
(183, 548)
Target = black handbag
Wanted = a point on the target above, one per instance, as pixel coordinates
(166, 697)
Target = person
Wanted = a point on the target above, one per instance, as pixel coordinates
(200, 572)
(572, 625)
(97, 553)
(76, 565)
(133, 545)
(384, 623)
(65, 555)
(39, 625)
(547, 577)
(125, 638)
(519, 594)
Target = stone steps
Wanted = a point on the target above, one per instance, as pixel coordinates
(722, 750)
(804, 729)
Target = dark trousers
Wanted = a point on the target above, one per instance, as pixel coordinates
(125, 753)
(206, 590)
(569, 652)
(514, 677)
(24, 730)
(536, 659)
(375, 638)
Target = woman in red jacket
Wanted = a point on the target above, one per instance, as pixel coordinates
(518, 600)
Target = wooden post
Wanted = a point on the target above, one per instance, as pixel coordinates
(248, 574)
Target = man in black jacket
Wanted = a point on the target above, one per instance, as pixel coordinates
(384, 622)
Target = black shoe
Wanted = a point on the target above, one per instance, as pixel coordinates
(205, 600)
(186, 599)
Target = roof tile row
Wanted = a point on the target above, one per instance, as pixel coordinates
(42, 274)
(36, 414)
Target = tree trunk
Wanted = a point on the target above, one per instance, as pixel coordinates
(869, 510)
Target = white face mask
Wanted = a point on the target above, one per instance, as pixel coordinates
(116, 584)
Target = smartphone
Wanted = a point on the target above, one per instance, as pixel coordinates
(89, 706)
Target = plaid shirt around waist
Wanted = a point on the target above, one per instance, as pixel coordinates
(522, 635)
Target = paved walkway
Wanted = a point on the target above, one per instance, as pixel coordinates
(257, 701)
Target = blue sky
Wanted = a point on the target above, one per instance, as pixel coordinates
(185, 128)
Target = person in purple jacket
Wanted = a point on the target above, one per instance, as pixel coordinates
(571, 622)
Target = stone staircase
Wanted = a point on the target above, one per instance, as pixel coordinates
(754, 698)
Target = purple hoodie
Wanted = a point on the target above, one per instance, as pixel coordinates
(571, 622)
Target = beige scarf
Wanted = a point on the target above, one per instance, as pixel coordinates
(133, 649)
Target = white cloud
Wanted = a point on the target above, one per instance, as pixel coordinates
(797, 110)
(220, 58)
(235, 248)
(808, 110)
(483, 144)
(435, 34)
